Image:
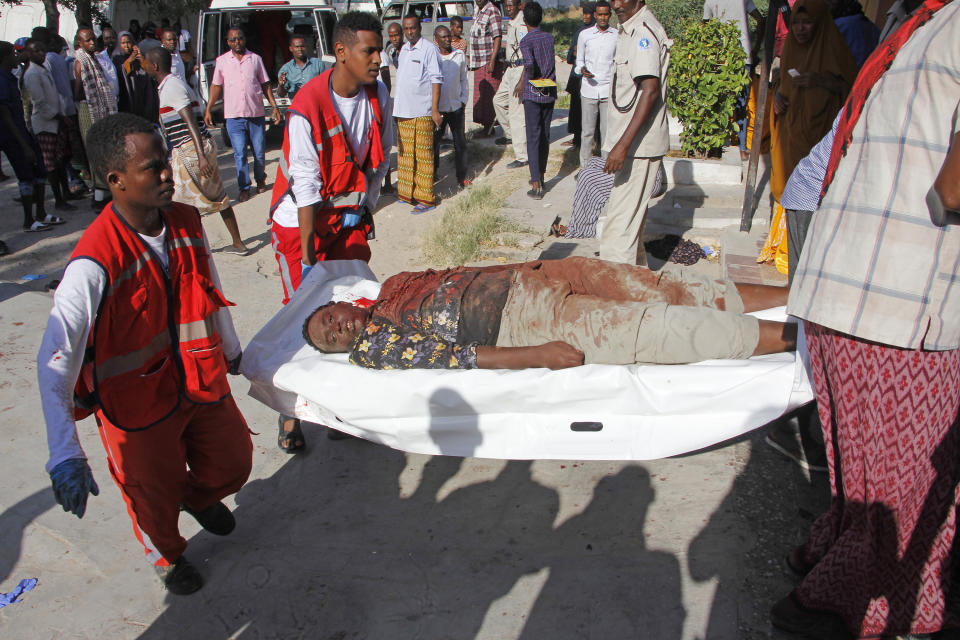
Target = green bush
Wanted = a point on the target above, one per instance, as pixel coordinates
(707, 75)
(673, 14)
(562, 24)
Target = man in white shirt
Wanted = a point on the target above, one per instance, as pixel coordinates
(595, 48)
(308, 223)
(417, 110)
(453, 98)
(168, 40)
(508, 106)
(45, 122)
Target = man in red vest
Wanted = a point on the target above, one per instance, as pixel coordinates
(336, 151)
(140, 336)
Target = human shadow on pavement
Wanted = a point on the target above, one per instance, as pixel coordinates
(14, 520)
(330, 547)
(767, 512)
(341, 544)
(604, 582)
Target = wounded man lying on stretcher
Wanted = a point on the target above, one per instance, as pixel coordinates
(550, 313)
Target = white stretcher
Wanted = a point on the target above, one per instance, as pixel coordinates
(594, 412)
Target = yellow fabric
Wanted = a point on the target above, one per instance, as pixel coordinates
(752, 115)
(775, 248)
(415, 160)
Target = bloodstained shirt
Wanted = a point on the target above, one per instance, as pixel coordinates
(433, 328)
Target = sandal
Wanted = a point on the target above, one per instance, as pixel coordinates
(290, 441)
(37, 226)
(422, 208)
(556, 229)
(52, 219)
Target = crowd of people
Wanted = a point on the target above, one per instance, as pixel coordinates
(867, 187)
(53, 93)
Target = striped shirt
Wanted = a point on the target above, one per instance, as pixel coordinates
(802, 192)
(175, 94)
(874, 266)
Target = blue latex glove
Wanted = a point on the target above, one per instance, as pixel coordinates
(304, 270)
(72, 481)
(350, 220)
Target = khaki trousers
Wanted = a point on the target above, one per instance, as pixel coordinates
(510, 112)
(621, 236)
(624, 314)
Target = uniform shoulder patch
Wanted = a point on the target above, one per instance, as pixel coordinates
(644, 43)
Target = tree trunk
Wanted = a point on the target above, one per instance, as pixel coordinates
(53, 15)
(84, 14)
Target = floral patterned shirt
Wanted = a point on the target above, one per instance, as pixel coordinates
(444, 331)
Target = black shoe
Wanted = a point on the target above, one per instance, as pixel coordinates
(788, 615)
(502, 141)
(216, 518)
(516, 164)
(181, 578)
(536, 194)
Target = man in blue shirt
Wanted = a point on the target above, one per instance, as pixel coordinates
(298, 71)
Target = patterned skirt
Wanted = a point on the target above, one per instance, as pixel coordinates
(881, 554)
(415, 160)
(485, 85)
(85, 120)
(53, 148)
(208, 195)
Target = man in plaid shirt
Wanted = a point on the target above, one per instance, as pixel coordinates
(878, 290)
(485, 39)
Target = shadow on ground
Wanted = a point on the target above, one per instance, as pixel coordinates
(331, 547)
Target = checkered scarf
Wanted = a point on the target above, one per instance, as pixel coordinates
(96, 87)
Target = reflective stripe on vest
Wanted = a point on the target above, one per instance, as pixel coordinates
(197, 330)
(133, 269)
(119, 365)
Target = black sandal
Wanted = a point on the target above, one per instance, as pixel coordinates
(290, 441)
(555, 227)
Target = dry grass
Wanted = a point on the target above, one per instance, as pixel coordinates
(468, 223)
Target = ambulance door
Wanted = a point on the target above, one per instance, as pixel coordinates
(208, 49)
(326, 20)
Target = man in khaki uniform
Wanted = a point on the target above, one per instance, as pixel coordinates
(636, 136)
(508, 106)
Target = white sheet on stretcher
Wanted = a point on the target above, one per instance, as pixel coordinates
(646, 412)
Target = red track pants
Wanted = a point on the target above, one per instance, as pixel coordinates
(151, 469)
(349, 244)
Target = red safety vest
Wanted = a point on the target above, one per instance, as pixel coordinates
(154, 342)
(344, 185)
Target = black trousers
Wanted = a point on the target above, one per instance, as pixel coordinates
(456, 121)
(538, 116)
(797, 224)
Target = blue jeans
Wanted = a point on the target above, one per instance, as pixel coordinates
(243, 131)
